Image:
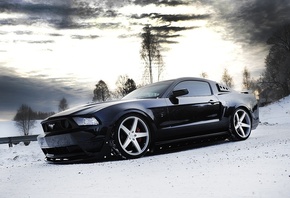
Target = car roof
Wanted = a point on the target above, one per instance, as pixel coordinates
(189, 78)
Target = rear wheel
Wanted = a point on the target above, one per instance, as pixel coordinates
(240, 125)
(131, 137)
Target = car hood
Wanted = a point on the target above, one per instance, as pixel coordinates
(87, 108)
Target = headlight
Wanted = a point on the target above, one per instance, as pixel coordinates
(86, 121)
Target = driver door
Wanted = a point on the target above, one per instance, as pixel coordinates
(195, 113)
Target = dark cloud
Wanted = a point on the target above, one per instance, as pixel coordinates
(250, 21)
(23, 32)
(124, 36)
(34, 13)
(180, 17)
(265, 17)
(169, 28)
(55, 34)
(161, 2)
(39, 94)
(169, 31)
(171, 17)
(111, 25)
(84, 37)
(61, 15)
(111, 13)
(13, 22)
(33, 41)
(40, 42)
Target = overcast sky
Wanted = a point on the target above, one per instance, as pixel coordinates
(50, 49)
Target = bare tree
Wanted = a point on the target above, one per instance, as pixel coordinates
(160, 66)
(25, 119)
(125, 85)
(227, 79)
(101, 92)
(120, 84)
(63, 105)
(204, 75)
(246, 79)
(150, 53)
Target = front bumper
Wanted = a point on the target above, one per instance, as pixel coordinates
(76, 146)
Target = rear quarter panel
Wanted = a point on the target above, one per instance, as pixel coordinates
(233, 100)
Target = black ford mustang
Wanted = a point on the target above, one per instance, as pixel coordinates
(156, 114)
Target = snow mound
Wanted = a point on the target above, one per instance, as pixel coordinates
(276, 113)
(20, 154)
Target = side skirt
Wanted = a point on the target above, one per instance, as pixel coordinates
(225, 133)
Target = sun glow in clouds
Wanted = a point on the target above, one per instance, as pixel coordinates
(91, 54)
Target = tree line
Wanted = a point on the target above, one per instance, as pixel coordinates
(275, 80)
(124, 85)
(274, 83)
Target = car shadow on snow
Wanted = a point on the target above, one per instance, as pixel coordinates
(168, 148)
(187, 145)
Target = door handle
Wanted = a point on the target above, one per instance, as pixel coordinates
(213, 102)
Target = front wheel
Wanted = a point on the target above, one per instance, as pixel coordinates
(240, 125)
(131, 137)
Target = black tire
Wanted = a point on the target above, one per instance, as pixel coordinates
(240, 125)
(131, 137)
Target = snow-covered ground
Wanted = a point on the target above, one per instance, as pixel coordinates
(257, 167)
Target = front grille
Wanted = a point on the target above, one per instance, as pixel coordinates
(57, 125)
(63, 150)
(64, 154)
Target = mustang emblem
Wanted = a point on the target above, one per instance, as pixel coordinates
(51, 126)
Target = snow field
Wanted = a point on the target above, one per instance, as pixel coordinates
(257, 167)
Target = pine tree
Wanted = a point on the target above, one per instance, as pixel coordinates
(101, 92)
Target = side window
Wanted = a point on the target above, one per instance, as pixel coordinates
(195, 88)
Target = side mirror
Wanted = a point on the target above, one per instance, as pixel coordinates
(180, 92)
(176, 93)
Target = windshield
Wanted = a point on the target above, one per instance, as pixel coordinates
(154, 90)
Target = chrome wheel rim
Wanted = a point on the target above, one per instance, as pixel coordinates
(242, 123)
(133, 135)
